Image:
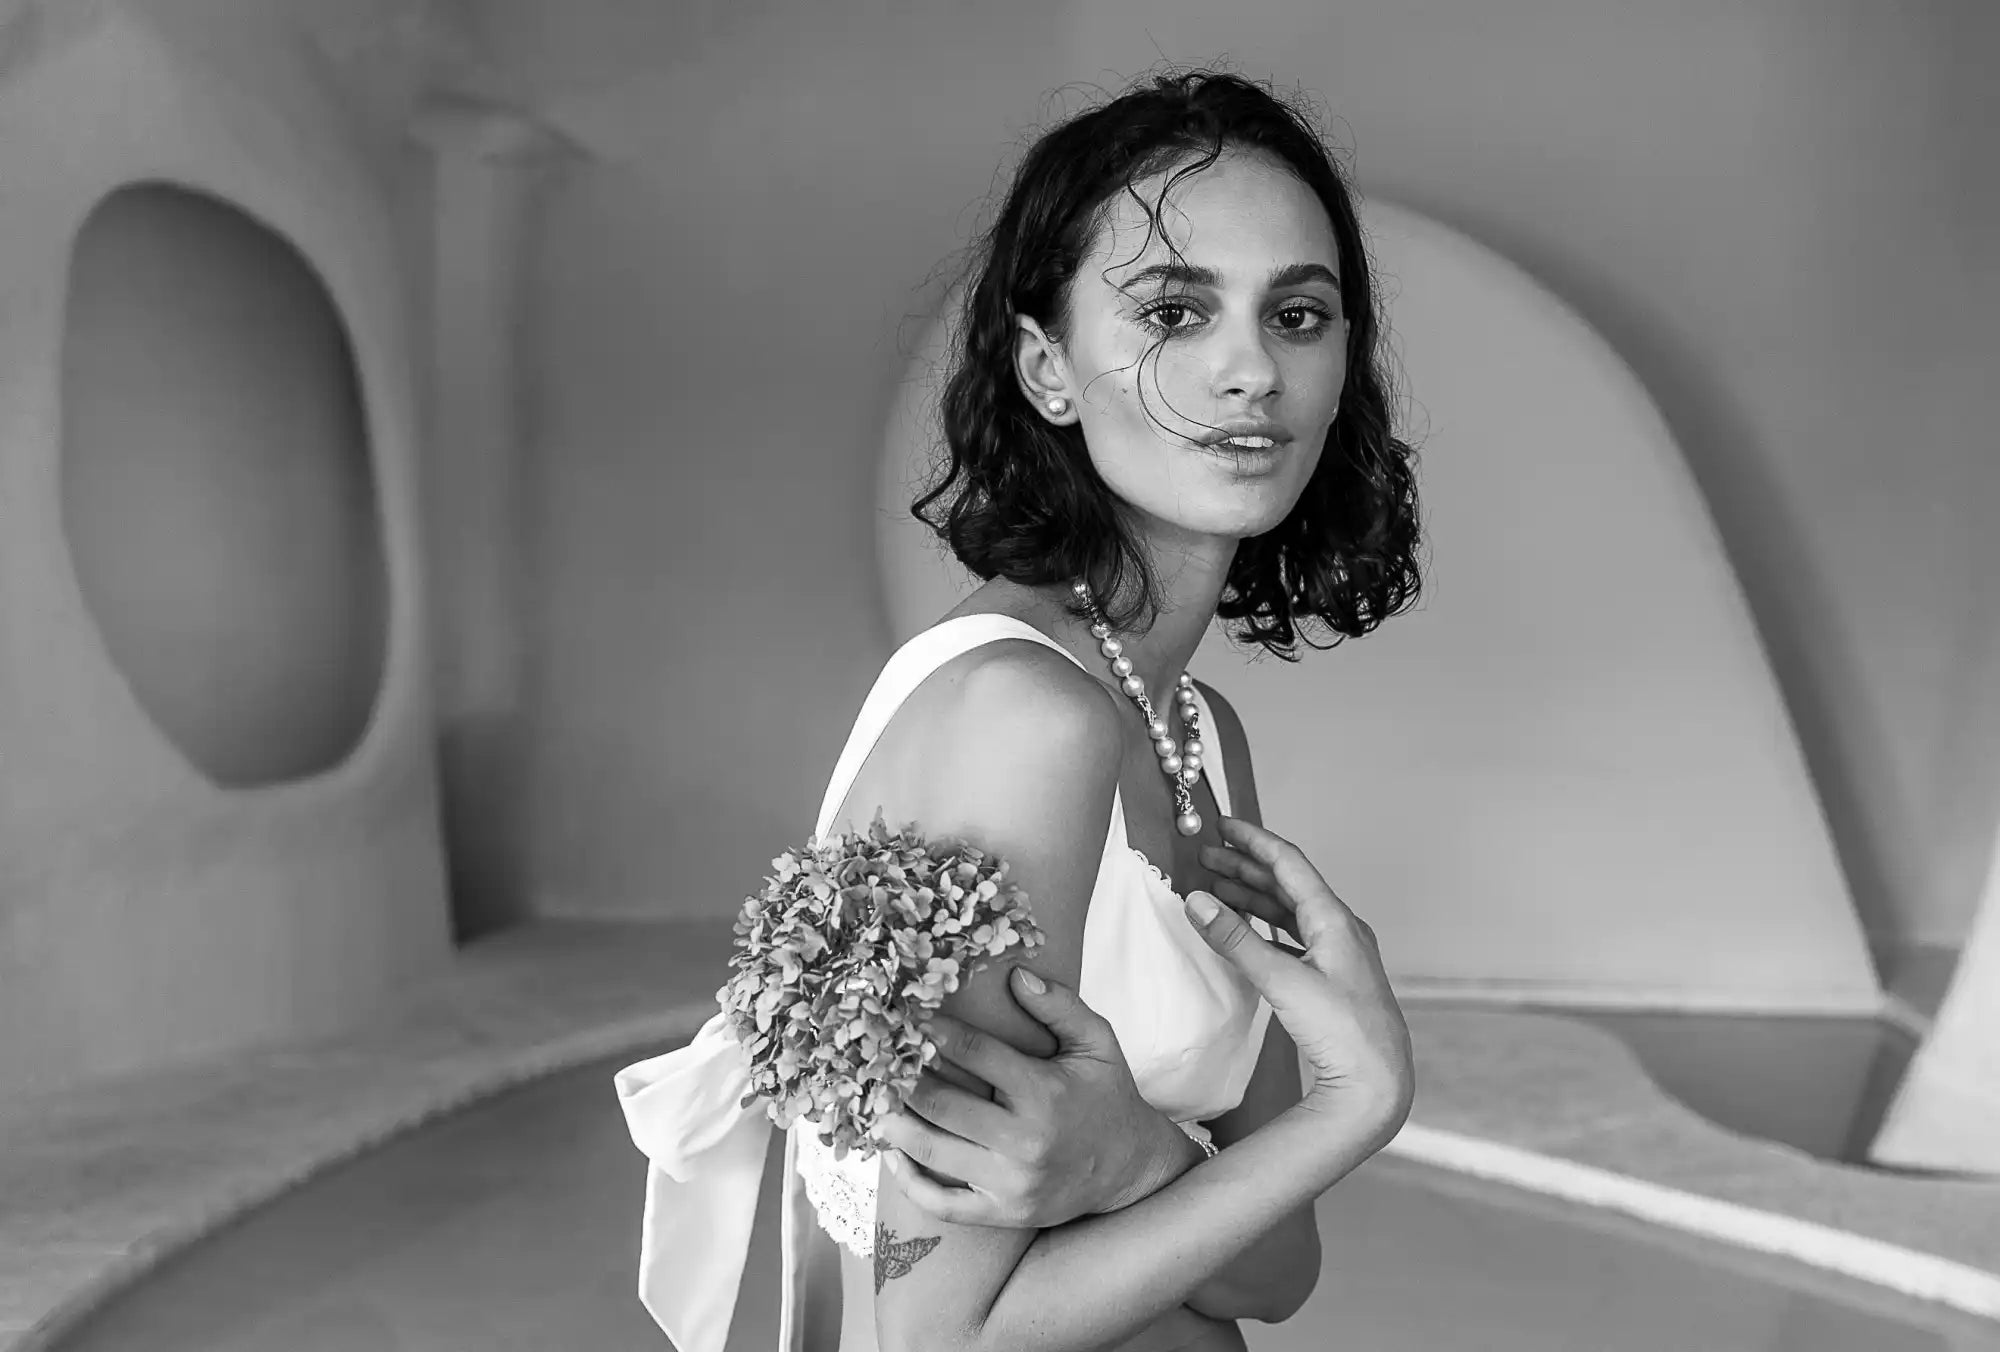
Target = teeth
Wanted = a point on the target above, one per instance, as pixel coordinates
(1255, 443)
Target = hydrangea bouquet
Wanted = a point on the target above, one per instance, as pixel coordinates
(841, 960)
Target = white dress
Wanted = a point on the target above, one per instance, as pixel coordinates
(1189, 1024)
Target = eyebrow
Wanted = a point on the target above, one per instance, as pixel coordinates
(1189, 274)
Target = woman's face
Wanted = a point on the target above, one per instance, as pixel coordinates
(1253, 334)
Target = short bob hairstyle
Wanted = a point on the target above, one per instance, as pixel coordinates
(1021, 498)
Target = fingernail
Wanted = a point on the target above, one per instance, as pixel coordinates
(1202, 907)
(891, 1162)
(1034, 983)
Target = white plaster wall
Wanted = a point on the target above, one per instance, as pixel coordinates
(146, 914)
(1782, 220)
(1946, 1113)
(1547, 782)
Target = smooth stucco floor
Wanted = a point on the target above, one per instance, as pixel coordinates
(98, 1184)
(441, 1241)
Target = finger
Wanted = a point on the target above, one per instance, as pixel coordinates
(964, 1115)
(982, 1054)
(1317, 907)
(1256, 903)
(950, 1071)
(1057, 1007)
(939, 1151)
(1258, 889)
(1228, 862)
(1291, 872)
(960, 1206)
(1289, 984)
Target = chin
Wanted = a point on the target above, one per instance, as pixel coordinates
(1239, 525)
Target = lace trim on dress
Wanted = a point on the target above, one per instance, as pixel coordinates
(842, 1192)
(1165, 881)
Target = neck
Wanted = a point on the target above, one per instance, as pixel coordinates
(1190, 589)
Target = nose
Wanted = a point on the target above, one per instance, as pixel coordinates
(1245, 368)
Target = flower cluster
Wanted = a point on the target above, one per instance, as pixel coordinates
(841, 960)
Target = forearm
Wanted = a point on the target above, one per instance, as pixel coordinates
(1271, 1278)
(1268, 1281)
(1147, 1258)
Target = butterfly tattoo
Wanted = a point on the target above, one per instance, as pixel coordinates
(895, 1259)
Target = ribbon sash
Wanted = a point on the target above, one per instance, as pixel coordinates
(705, 1170)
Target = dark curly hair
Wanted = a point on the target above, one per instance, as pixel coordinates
(1025, 502)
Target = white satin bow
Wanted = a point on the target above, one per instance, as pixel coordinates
(705, 1170)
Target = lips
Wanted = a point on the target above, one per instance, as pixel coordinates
(1247, 435)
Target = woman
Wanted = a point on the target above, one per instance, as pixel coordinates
(1166, 408)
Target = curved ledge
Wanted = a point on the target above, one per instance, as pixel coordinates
(105, 1182)
(1922, 1275)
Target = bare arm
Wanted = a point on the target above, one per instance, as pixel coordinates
(1272, 1278)
(1022, 762)
(1045, 742)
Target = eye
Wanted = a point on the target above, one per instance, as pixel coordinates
(1305, 321)
(1163, 314)
(1311, 320)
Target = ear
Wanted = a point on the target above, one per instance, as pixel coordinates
(1041, 370)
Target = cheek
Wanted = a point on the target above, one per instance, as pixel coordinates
(1153, 395)
(1178, 378)
(1178, 372)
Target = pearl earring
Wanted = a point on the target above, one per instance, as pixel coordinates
(1059, 406)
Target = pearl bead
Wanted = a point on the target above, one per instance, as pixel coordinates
(1179, 763)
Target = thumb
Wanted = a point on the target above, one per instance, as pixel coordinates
(1059, 1009)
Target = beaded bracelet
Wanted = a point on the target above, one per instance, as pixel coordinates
(1209, 1149)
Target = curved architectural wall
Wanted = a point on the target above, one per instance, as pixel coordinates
(236, 603)
(1569, 775)
(1946, 1114)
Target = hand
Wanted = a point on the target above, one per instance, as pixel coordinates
(1334, 998)
(1064, 1137)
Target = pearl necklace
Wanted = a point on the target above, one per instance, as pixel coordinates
(1181, 764)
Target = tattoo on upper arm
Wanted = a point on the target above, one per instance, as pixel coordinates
(894, 1258)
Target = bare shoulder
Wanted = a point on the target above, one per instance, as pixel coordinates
(1234, 744)
(1022, 754)
(1013, 684)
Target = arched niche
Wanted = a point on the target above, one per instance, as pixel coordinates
(217, 493)
(1569, 776)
